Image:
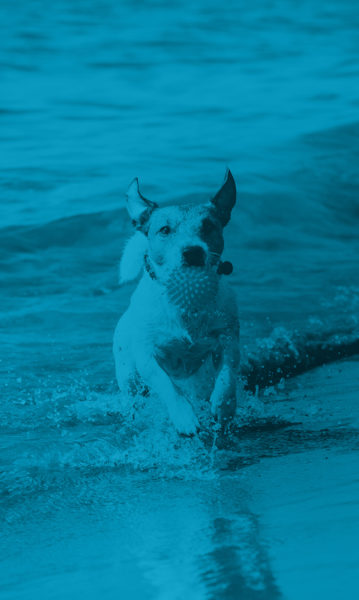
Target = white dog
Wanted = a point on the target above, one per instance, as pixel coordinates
(182, 323)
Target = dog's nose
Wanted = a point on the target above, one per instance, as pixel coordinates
(194, 256)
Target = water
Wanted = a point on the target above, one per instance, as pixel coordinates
(93, 94)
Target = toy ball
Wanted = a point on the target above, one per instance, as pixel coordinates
(192, 288)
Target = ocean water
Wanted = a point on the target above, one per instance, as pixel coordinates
(92, 94)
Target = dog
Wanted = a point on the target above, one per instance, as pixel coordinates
(182, 322)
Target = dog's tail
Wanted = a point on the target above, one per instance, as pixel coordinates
(286, 354)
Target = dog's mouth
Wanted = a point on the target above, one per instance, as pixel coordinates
(194, 261)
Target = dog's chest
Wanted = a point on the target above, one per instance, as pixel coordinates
(181, 358)
(186, 351)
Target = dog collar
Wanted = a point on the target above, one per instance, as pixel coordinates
(224, 268)
(148, 268)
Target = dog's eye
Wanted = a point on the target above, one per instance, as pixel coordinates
(165, 230)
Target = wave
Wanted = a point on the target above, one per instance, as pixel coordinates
(287, 354)
(81, 229)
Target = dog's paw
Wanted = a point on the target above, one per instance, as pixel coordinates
(184, 419)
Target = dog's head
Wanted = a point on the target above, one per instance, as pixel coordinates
(175, 237)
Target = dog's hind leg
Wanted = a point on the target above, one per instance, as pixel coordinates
(179, 409)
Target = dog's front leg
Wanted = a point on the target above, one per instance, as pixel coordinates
(224, 395)
(179, 409)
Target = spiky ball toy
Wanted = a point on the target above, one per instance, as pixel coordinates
(192, 289)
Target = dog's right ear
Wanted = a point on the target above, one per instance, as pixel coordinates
(132, 259)
(138, 207)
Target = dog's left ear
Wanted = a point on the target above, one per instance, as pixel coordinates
(225, 198)
(138, 207)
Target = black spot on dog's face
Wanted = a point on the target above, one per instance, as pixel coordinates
(172, 230)
(211, 232)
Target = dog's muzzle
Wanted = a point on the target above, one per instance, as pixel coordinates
(194, 256)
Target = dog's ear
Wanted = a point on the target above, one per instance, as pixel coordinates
(138, 207)
(132, 257)
(225, 199)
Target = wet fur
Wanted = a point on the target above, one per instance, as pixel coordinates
(154, 344)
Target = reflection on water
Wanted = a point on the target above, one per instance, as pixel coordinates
(145, 539)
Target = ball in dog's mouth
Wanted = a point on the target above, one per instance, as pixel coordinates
(192, 288)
